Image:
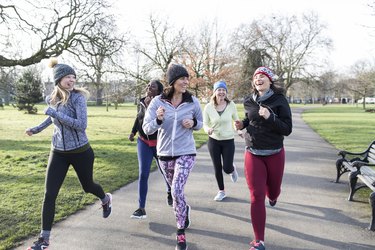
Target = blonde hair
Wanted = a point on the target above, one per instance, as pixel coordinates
(61, 96)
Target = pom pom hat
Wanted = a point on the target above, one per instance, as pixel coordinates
(60, 70)
(174, 72)
(267, 72)
(220, 84)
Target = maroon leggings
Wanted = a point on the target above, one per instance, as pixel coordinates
(264, 175)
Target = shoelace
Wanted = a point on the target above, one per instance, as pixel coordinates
(181, 238)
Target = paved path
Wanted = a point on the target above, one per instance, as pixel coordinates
(312, 211)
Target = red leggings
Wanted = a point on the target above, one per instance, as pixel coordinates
(264, 175)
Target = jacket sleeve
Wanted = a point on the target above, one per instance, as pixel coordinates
(135, 126)
(42, 126)
(235, 113)
(282, 122)
(150, 124)
(79, 123)
(206, 119)
(198, 115)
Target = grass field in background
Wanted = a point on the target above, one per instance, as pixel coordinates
(345, 126)
(23, 159)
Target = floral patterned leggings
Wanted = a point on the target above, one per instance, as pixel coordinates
(176, 172)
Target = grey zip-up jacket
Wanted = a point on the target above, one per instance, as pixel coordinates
(173, 138)
(70, 122)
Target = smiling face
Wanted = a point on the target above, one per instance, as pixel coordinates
(180, 85)
(67, 82)
(261, 83)
(220, 93)
(152, 89)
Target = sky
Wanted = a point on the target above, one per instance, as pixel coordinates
(349, 22)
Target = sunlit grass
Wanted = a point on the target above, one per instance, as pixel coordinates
(344, 126)
(23, 161)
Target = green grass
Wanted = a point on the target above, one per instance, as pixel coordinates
(23, 161)
(345, 127)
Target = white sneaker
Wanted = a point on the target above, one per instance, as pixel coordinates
(234, 174)
(220, 196)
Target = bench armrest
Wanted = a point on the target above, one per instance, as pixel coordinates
(343, 153)
(359, 164)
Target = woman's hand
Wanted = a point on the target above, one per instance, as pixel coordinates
(210, 131)
(187, 123)
(160, 113)
(131, 137)
(28, 132)
(264, 112)
(238, 124)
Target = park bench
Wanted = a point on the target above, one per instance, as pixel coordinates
(360, 166)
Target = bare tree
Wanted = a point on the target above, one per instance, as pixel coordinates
(363, 85)
(141, 76)
(165, 46)
(7, 83)
(47, 29)
(326, 86)
(100, 54)
(207, 59)
(288, 43)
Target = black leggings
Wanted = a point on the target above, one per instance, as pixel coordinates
(223, 149)
(58, 165)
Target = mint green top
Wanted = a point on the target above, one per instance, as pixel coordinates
(223, 124)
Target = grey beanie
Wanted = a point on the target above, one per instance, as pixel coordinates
(176, 71)
(60, 70)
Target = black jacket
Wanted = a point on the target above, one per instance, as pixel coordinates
(137, 127)
(268, 133)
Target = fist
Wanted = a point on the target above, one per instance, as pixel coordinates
(187, 123)
(160, 113)
(238, 124)
(264, 112)
(131, 137)
(28, 132)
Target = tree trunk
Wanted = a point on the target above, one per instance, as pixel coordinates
(99, 99)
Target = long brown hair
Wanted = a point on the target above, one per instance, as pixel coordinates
(213, 99)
